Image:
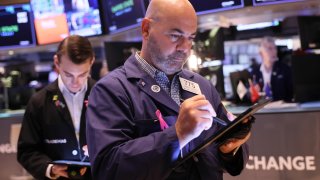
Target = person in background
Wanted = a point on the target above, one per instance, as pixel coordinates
(53, 126)
(145, 116)
(273, 76)
(254, 63)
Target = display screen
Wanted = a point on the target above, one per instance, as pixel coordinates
(16, 26)
(209, 44)
(118, 52)
(266, 2)
(57, 19)
(123, 14)
(215, 75)
(208, 6)
(309, 32)
(305, 76)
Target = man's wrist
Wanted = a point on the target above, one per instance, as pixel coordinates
(231, 153)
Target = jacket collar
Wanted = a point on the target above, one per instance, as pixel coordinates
(59, 103)
(145, 83)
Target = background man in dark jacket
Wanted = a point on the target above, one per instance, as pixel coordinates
(54, 125)
(273, 76)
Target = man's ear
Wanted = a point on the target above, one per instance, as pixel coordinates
(92, 61)
(145, 28)
(56, 61)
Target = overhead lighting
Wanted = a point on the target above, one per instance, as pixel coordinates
(212, 63)
(257, 25)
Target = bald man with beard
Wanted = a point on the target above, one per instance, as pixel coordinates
(142, 118)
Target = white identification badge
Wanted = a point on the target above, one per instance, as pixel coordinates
(190, 86)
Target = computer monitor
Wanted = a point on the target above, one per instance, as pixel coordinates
(209, 44)
(215, 75)
(16, 26)
(309, 32)
(306, 76)
(62, 18)
(120, 15)
(267, 2)
(118, 52)
(209, 6)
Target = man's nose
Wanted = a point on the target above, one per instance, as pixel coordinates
(184, 45)
(75, 80)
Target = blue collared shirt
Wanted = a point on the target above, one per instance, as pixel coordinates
(171, 88)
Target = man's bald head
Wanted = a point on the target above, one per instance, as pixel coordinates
(168, 31)
(268, 52)
(159, 10)
(267, 41)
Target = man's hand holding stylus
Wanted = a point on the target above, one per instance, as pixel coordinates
(195, 116)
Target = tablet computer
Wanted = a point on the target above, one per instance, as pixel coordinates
(71, 163)
(225, 129)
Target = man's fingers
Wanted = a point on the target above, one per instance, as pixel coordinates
(59, 170)
(85, 149)
(230, 116)
(196, 97)
(233, 144)
(248, 118)
(83, 171)
(208, 107)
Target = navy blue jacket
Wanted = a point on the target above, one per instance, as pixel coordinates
(281, 81)
(47, 131)
(124, 136)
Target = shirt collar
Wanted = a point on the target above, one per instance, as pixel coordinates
(64, 89)
(148, 68)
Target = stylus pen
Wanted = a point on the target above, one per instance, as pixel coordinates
(216, 119)
(84, 158)
(220, 121)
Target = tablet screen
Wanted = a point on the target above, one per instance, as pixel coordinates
(71, 163)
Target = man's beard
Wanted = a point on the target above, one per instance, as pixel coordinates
(170, 64)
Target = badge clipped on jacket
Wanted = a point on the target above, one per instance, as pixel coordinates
(190, 86)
